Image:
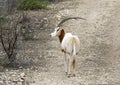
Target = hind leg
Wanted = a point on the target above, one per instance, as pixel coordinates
(73, 66)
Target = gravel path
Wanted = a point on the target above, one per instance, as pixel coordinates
(98, 62)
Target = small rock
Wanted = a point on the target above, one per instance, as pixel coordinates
(1, 83)
(7, 70)
(20, 67)
(41, 28)
(22, 79)
(45, 19)
(1, 68)
(22, 75)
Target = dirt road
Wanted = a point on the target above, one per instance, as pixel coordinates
(98, 62)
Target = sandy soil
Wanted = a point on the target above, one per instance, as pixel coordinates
(98, 62)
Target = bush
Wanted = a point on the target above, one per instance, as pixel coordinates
(1, 17)
(33, 4)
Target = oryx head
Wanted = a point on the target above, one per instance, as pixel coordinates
(57, 30)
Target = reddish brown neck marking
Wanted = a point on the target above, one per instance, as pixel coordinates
(61, 36)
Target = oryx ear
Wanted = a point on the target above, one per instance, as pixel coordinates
(58, 28)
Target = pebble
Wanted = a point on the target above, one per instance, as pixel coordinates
(22, 75)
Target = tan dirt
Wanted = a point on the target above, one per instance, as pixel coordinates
(98, 62)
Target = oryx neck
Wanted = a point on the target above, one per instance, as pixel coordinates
(61, 36)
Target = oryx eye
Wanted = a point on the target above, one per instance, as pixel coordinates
(57, 29)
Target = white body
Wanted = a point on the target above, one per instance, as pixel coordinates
(70, 44)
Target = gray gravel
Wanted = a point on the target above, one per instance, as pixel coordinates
(98, 62)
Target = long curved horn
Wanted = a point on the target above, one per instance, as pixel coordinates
(64, 20)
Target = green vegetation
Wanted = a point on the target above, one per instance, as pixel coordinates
(1, 17)
(33, 4)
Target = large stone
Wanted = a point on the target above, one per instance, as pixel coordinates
(1, 82)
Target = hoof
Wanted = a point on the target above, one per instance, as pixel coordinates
(73, 75)
(66, 73)
(69, 75)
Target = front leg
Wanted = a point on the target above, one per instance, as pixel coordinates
(69, 66)
(65, 63)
